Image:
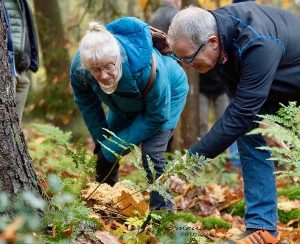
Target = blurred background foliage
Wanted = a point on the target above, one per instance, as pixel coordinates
(60, 25)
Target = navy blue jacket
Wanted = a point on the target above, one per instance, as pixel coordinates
(263, 68)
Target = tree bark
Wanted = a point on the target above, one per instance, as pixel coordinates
(56, 62)
(51, 36)
(190, 115)
(186, 3)
(16, 171)
(177, 140)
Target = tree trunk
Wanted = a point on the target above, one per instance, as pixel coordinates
(16, 171)
(56, 62)
(186, 3)
(177, 140)
(190, 115)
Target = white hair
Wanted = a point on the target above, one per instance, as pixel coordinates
(193, 23)
(97, 44)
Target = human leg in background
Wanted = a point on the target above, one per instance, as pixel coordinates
(203, 114)
(22, 87)
(234, 155)
(155, 148)
(221, 103)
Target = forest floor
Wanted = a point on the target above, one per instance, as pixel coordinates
(209, 213)
(222, 198)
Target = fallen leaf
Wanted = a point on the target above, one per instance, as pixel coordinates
(10, 233)
(104, 225)
(129, 205)
(287, 205)
(69, 231)
(293, 235)
(217, 192)
(234, 231)
(106, 237)
(122, 197)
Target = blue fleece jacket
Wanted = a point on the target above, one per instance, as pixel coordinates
(131, 116)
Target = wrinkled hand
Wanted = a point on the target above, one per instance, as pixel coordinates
(271, 140)
(178, 185)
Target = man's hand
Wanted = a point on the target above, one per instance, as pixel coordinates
(271, 140)
(178, 185)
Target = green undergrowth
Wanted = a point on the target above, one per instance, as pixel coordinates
(237, 209)
(66, 170)
(214, 223)
(214, 172)
(207, 223)
(66, 217)
(52, 152)
(134, 176)
(285, 217)
(60, 219)
(170, 227)
(292, 193)
(283, 126)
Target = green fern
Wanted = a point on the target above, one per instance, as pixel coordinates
(288, 117)
(74, 185)
(187, 170)
(66, 212)
(25, 206)
(166, 221)
(136, 222)
(53, 134)
(82, 159)
(46, 150)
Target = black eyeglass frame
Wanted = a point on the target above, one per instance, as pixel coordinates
(189, 60)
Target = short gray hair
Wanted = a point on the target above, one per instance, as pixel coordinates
(97, 44)
(193, 23)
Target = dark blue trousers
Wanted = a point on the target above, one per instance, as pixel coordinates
(155, 148)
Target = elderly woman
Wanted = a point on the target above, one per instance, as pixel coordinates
(144, 91)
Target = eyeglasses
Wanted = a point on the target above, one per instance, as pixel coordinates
(107, 68)
(188, 60)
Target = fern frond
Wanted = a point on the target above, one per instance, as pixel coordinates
(110, 150)
(288, 117)
(54, 133)
(185, 169)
